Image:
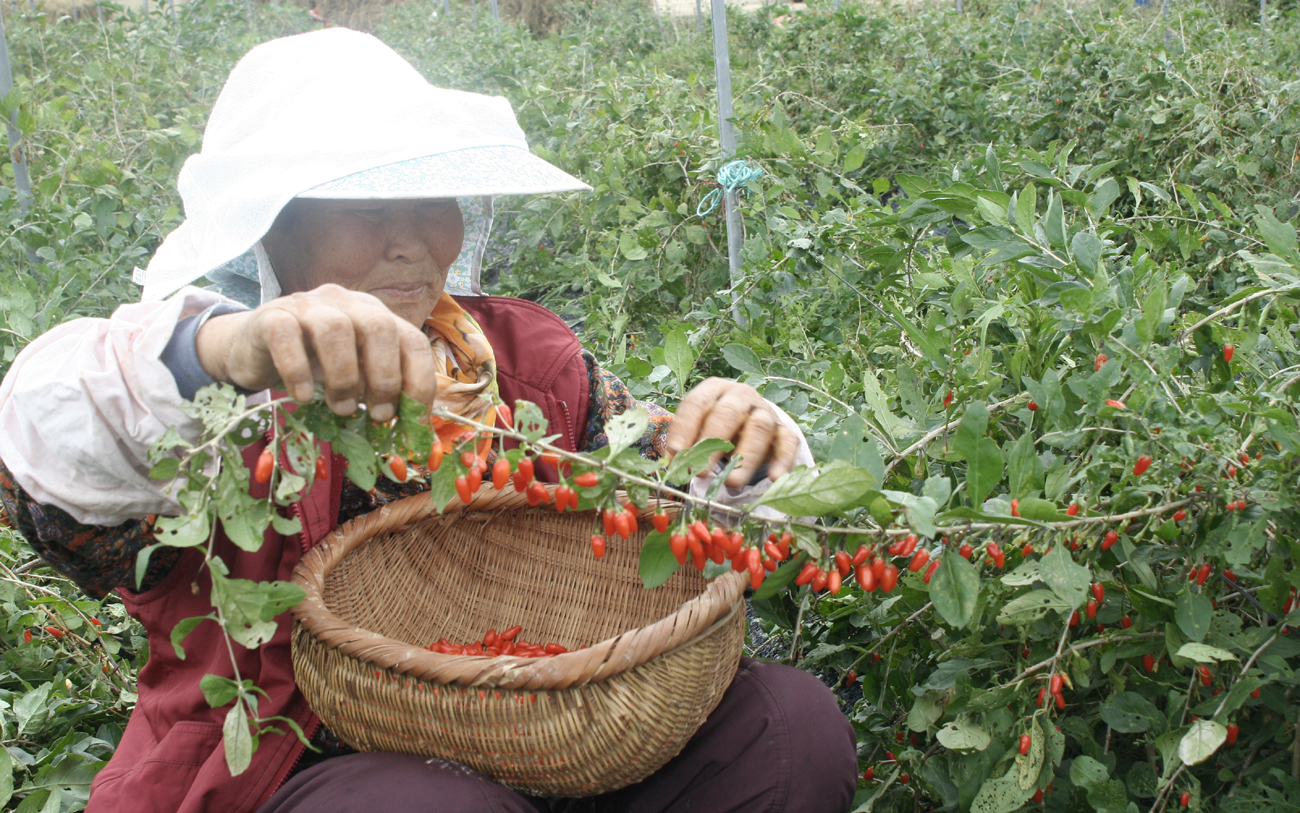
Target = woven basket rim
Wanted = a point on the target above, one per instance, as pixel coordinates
(597, 662)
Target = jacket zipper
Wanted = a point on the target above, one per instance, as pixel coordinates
(570, 429)
(302, 749)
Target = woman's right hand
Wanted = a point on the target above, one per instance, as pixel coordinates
(348, 341)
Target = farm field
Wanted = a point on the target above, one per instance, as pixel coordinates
(1032, 268)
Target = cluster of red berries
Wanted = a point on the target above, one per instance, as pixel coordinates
(1055, 688)
(499, 643)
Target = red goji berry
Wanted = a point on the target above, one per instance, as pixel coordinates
(265, 463)
(322, 468)
(1033, 407)
(435, 456)
(919, 560)
(806, 575)
(538, 494)
(1101, 359)
(1184, 799)
(1099, 592)
(966, 551)
(1149, 663)
(1055, 684)
(1234, 731)
(1126, 622)
(889, 580)
(866, 578)
(1143, 463)
(660, 520)
(500, 473)
(462, 490)
(27, 636)
(622, 524)
(587, 479)
(598, 545)
(1109, 540)
(677, 544)
(1073, 510)
(55, 631)
(1227, 352)
(929, 571)
(1025, 741)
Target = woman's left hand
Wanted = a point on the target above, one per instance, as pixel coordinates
(721, 408)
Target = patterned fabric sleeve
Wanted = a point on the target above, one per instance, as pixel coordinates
(610, 397)
(96, 557)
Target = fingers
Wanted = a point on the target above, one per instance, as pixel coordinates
(284, 341)
(784, 452)
(692, 412)
(350, 343)
(756, 435)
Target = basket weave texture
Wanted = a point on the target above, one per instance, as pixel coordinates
(388, 584)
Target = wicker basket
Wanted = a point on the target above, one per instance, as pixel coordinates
(386, 585)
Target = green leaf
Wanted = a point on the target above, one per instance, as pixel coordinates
(963, 735)
(1086, 772)
(626, 428)
(1193, 612)
(529, 421)
(1086, 248)
(218, 690)
(1030, 765)
(1027, 208)
(238, 739)
(248, 607)
(1054, 222)
(183, 628)
(1068, 580)
(657, 561)
(854, 444)
(742, 358)
(1201, 741)
(363, 466)
(629, 248)
(6, 776)
(165, 469)
(695, 460)
(954, 589)
(808, 491)
(983, 471)
(927, 708)
(1280, 237)
(856, 156)
(1130, 713)
(1204, 653)
(1001, 795)
(1024, 469)
(679, 357)
(1030, 607)
(184, 531)
(983, 457)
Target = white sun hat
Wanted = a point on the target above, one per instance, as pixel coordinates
(337, 114)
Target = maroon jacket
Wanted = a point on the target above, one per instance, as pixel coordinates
(171, 756)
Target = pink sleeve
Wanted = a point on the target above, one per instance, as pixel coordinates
(83, 402)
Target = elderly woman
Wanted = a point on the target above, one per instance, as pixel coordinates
(336, 201)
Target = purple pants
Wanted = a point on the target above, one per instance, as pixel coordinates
(776, 742)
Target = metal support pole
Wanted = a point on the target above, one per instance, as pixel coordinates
(446, 8)
(727, 137)
(658, 20)
(475, 4)
(699, 17)
(22, 180)
(1262, 17)
(495, 14)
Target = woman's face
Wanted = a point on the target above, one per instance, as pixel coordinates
(397, 250)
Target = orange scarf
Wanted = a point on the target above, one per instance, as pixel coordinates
(468, 384)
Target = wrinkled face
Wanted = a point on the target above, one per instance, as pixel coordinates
(397, 250)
